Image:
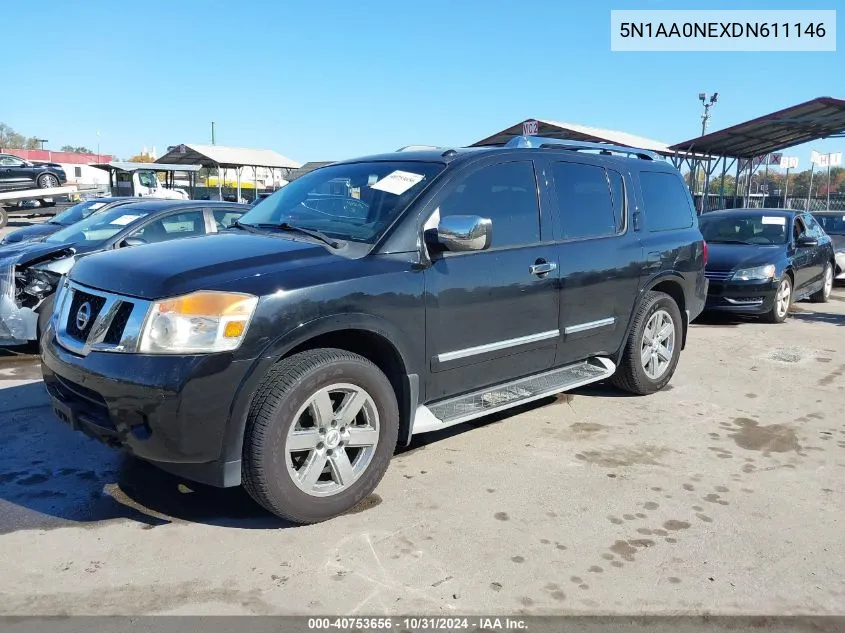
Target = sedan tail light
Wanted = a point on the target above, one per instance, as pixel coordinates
(704, 253)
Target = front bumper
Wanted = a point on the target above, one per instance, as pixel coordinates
(173, 411)
(742, 297)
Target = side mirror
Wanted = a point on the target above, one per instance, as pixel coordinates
(132, 241)
(464, 233)
(806, 242)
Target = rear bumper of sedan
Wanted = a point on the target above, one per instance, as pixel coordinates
(742, 297)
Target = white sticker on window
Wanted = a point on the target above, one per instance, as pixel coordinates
(125, 219)
(96, 206)
(773, 219)
(398, 182)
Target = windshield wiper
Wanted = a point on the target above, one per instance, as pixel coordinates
(287, 226)
(728, 242)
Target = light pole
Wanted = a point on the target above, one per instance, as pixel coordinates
(42, 141)
(704, 118)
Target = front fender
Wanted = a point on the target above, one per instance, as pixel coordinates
(282, 345)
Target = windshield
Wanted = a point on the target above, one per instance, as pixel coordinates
(354, 202)
(744, 229)
(99, 226)
(78, 212)
(832, 224)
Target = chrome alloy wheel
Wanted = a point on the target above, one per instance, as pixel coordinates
(333, 440)
(658, 344)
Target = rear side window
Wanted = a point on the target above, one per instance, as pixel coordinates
(586, 195)
(667, 203)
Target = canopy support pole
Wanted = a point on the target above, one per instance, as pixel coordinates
(219, 184)
(239, 183)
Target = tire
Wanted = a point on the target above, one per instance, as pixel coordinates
(631, 374)
(780, 309)
(47, 181)
(823, 295)
(276, 477)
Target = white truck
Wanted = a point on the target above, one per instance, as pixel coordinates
(141, 180)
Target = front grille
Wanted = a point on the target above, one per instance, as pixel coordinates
(79, 299)
(718, 275)
(118, 324)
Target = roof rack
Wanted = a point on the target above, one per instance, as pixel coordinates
(604, 148)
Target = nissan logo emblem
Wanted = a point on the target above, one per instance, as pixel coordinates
(83, 316)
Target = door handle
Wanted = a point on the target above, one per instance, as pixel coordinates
(542, 268)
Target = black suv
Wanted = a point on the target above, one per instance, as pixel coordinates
(377, 298)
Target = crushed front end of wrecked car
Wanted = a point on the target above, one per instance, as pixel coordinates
(23, 289)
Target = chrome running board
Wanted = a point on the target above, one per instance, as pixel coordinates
(445, 413)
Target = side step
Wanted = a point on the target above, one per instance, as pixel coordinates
(439, 415)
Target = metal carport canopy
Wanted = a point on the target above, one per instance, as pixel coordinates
(819, 118)
(227, 157)
(124, 166)
(575, 132)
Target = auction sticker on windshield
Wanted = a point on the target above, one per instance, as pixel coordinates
(97, 205)
(398, 182)
(125, 219)
(773, 219)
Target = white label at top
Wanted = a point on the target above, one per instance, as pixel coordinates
(97, 205)
(125, 219)
(398, 182)
(774, 219)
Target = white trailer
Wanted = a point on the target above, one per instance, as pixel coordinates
(13, 197)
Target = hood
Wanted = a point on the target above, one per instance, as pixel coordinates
(174, 268)
(30, 233)
(733, 256)
(27, 253)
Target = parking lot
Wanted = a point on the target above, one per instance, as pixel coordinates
(722, 494)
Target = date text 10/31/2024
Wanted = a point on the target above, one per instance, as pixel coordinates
(422, 623)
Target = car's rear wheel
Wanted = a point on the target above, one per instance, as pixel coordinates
(320, 434)
(47, 181)
(823, 295)
(783, 301)
(653, 348)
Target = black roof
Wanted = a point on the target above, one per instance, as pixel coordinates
(150, 205)
(819, 118)
(785, 213)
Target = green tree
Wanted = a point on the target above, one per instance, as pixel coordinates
(76, 150)
(141, 158)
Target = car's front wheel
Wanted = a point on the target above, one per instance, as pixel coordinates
(823, 294)
(653, 348)
(783, 301)
(47, 181)
(320, 434)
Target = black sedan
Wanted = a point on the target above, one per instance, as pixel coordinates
(833, 223)
(30, 271)
(761, 260)
(67, 217)
(17, 173)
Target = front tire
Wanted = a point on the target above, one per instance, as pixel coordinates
(823, 295)
(47, 181)
(653, 348)
(783, 301)
(320, 434)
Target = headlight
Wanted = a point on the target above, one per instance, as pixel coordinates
(198, 323)
(758, 272)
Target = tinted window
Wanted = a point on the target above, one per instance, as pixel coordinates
(813, 228)
(507, 194)
(172, 227)
(832, 224)
(10, 161)
(666, 201)
(225, 217)
(99, 227)
(585, 200)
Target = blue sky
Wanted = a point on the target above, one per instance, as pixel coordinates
(329, 80)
